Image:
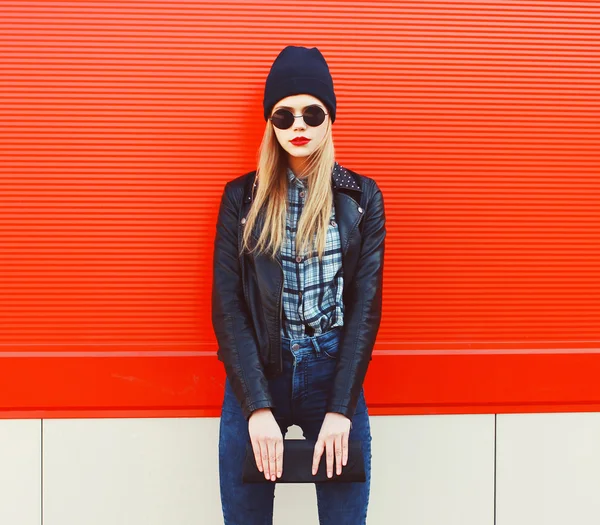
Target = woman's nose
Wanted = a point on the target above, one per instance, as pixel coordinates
(299, 123)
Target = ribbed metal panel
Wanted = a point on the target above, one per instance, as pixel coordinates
(121, 122)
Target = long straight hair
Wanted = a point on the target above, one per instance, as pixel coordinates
(270, 193)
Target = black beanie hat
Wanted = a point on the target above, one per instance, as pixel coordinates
(299, 70)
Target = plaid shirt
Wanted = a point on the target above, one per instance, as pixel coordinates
(312, 292)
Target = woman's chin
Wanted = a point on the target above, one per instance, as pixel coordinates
(299, 152)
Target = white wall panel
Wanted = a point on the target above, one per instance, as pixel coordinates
(20, 472)
(433, 470)
(548, 469)
(131, 471)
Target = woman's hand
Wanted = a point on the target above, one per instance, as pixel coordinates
(267, 442)
(334, 435)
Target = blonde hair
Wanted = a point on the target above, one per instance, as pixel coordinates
(271, 194)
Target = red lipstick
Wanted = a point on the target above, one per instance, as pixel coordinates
(300, 141)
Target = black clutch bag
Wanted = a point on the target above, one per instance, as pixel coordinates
(297, 465)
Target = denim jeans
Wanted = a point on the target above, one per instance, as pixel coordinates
(300, 394)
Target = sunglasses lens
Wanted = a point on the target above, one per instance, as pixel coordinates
(314, 115)
(282, 119)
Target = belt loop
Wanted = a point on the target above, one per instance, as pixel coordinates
(316, 345)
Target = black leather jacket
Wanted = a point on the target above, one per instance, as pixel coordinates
(247, 295)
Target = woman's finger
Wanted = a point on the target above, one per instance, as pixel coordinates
(338, 454)
(317, 455)
(272, 459)
(256, 450)
(279, 456)
(264, 454)
(329, 455)
(345, 448)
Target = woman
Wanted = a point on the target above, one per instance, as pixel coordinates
(296, 298)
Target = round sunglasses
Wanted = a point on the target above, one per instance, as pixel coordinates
(313, 116)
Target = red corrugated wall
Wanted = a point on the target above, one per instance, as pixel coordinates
(122, 121)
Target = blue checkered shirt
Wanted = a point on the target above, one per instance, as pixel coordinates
(312, 292)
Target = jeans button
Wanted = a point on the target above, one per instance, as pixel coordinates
(295, 346)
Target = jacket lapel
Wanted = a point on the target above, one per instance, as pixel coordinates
(348, 217)
(347, 193)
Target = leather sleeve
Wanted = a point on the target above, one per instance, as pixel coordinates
(230, 317)
(363, 318)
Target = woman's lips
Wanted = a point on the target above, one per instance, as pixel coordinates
(300, 141)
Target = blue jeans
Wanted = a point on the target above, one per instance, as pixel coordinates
(300, 393)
